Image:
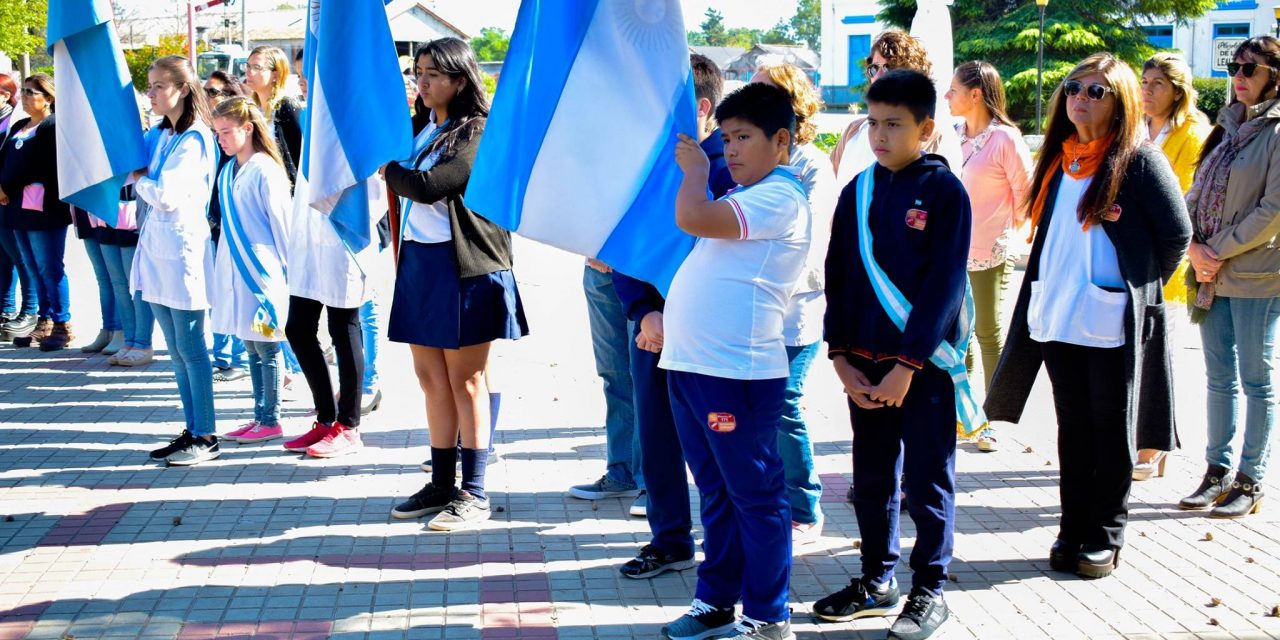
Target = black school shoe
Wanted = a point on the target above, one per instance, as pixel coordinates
(922, 616)
(197, 450)
(858, 601)
(653, 561)
(179, 442)
(429, 499)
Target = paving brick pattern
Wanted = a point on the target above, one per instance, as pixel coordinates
(98, 541)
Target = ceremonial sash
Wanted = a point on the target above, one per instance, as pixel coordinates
(970, 419)
(266, 320)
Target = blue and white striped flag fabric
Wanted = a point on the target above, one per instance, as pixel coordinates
(99, 132)
(348, 45)
(579, 149)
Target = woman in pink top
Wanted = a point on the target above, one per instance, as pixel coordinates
(995, 173)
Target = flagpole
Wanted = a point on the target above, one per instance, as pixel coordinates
(191, 33)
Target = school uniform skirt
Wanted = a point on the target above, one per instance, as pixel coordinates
(433, 307)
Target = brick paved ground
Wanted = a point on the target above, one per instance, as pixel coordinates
(96, 541)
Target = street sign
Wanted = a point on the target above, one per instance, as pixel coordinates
(1223, 50)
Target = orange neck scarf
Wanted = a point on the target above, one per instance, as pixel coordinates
(1079, 160)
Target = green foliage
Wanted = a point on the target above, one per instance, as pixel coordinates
(1006, 33)
(826, 141)
(1212, 95)
(779, 34)
(490, 84)
(806, 24)
(22, 26)
(491, 45)
(714, 33)
(140, 59)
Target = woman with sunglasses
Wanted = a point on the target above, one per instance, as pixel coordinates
(892, 49)
(17, 320)
(29, 195)
(1109, 229)
(1235, 212)
(1178, 128)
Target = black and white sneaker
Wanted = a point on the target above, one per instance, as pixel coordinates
(653, 561)
(197, 450)
(922, 615)
(463, 512)
(179, 442)
(703, 622)
(858, 601)
(757, 630)
(429, 499)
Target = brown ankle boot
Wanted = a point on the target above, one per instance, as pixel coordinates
(44, 327)
(59, 338)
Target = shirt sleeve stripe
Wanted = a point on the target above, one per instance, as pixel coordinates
(742, 220)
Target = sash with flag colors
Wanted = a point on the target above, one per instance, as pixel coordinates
(579, 148)
(99, 132)
(349, 41)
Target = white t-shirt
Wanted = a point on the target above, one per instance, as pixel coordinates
(724, 311)
(427, 223)
(1070, 302)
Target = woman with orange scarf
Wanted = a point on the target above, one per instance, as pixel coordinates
(1109, 230)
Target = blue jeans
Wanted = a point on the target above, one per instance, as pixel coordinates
(135, 314)
(106, 296)
(610, 341)
(264, 371)
(43, 252)
(184, 335)
(804, 488)
(369, 323)
(228, 352)
(290, 360)
(1239, 336)
(16, 272)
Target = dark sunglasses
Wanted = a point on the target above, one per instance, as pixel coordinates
(1246, 69)
(214, 93)
(1095, 92)
(31, 93)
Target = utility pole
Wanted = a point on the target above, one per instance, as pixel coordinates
(244, 24)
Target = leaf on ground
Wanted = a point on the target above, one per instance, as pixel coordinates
(1208, 537)
(177, 520)
(1215, 601)
(1028, 450)
(857, 543)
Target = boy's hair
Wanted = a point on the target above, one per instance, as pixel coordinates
(763, 105)
(905, 88)
(707, 81)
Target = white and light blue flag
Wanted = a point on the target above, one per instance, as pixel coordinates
(99, 132)
(579, 148)
(351, 66)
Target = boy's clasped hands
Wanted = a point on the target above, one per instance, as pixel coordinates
(890, 392)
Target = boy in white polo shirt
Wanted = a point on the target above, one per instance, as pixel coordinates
(728, 363)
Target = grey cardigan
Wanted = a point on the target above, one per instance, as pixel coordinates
(1251, 219)
(1150, 237)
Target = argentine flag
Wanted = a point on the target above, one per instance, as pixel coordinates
(350, 63)
(579, 148)
(99, 132)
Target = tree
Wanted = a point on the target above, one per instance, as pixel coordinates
(779, 34)
(1005, 33)
(714, 33)
(491, 45)
(22, 26)
(140, 59)
(806, 24)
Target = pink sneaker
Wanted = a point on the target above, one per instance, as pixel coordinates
(243, 429)
(302, 442)
(262, 433)
(340, 440)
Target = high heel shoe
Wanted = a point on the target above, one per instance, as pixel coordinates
(370, 402)
(1244, 498)
(1145, 470)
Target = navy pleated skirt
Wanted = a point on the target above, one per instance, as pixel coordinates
(433, 307)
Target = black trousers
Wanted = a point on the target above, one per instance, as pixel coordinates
(303, 331)
(1090, 398)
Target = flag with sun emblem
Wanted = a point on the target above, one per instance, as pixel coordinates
(579, 148)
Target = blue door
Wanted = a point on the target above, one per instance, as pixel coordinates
(859, 49)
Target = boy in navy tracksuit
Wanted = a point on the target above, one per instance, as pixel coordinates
(727, 365)
(902, 405)
(662, 460)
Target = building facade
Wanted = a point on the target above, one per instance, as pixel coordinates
(848, 27)
(1208, 41)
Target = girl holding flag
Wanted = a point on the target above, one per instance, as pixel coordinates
(253, 189)
(455, 293)
(173, 266)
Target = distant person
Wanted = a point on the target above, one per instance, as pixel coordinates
(266, 77)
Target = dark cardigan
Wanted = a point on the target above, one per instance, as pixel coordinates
(35, 163)
(1150, 237)
(288, 130)
(480, 247)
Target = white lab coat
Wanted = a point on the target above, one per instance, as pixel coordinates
(263, 209)
(321, 268)
(173, 265)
